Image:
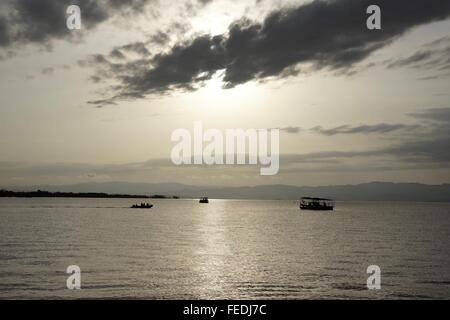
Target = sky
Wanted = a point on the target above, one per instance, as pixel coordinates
(99, 104)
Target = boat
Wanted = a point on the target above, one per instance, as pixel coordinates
(142, 206)
(309, 203)
(204, 200)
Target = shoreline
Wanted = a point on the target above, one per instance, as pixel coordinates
(86, 195)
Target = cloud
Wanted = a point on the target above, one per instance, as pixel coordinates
(423, 152)
(427, 146)
(430, 78)
(436, 150)
(404, 156)
(290, 129)
(364, 129)
(430, 149)
(160, 38)
(434, 114)
(360, 129)
(135, 47)
(433, 56)
(48, 70)
(4, 34)
(40, 22)
(325, 34)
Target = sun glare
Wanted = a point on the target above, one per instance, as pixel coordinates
(212, 24)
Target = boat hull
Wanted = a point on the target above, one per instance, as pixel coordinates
(317, 209)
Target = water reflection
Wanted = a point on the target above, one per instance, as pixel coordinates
(226, 249)
(213, 249)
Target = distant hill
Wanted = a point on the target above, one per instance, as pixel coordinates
(373, 191)
(48, 194)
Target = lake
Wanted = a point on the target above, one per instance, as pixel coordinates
(227, 249)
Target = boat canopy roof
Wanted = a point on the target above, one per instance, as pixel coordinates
(316, 199)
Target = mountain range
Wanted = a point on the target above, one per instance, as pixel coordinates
(373, 191)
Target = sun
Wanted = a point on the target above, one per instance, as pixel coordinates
(214, 23)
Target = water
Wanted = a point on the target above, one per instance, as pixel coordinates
(227, 249)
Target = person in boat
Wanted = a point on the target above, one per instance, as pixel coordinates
(142, 205)
(204, 200)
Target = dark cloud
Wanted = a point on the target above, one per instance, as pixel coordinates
(4, 34)
(41, 21)
(30, 21)
(364, 129)
(325, 34)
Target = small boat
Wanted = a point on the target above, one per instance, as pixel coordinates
(309, 203)
(142, 206)
(204, 200)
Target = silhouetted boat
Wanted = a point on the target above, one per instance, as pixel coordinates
(142, 206)
(308, 203)
(204, 200)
